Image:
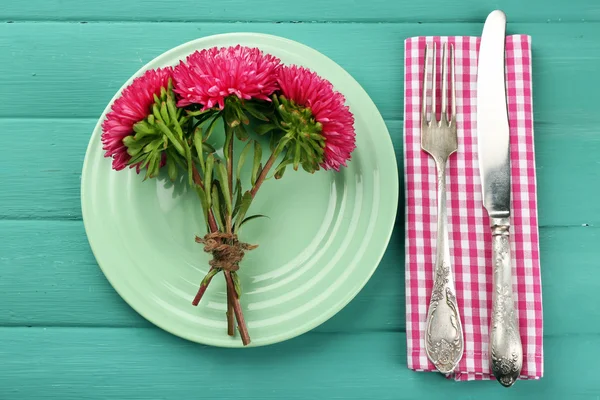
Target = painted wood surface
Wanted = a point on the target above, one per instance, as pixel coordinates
(107, 363)
(65, 333)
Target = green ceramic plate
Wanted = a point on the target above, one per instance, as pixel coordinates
(324, 238)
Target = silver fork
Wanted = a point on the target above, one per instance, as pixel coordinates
(444, 342)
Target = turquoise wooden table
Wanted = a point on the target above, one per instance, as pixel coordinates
(66, 334)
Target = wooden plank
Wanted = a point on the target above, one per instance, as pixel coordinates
(34, 283)
(312, 10)
(73, 70)
(42, 178)
(52, 185)
(91, 363)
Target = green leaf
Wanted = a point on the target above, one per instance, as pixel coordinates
(281, 145)
(279, 174)
(241, 133)
(308, 167)
(317, 136)
(164, 113)
(152, 166)
(297, 154)
(209, 276)
(182, 120)
(176, 143)
(242, 158)
(264, 128)
(211, 127)
(145, 163)
(279, 171)
(208, 172)
(156, 166)
(222, 173)
(242, 115)
(156, 112)
(202, 196)
(138, 158)
(163, 92)
(172, 109)
(131, 142)
(310, 153)
(153, 146)
(246, 201)
(236, 284)
(171, 169)
(199, 112)
(188, 158)
(222, 202)
(238, 199)
(217, 204)
(203, 118)
(257, 160)
(199, 149)
(143, 128)
(275, 100)
(230, 116)
(318, 148)
(250, 218)
(249, 107)
(134, 151)
(208, 148)
(178, 129)
(175, 156)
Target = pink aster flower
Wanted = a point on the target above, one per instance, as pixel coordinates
(134, 105)
(207, 77)
(308, 89)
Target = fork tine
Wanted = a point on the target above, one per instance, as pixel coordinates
(433, 86)
(453, 117)
(443, 115)
(424, 97)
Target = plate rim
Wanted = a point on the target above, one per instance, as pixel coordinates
(386, 147)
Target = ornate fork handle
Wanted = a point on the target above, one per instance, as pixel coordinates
(506, 354)
(444, 337)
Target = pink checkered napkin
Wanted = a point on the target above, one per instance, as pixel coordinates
(469, 231)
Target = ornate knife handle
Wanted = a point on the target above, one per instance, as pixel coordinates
(444, 342)
(506, 355)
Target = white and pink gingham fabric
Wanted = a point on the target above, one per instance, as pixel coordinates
(468, 222)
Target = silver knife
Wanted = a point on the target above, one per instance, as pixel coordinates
(506, 352)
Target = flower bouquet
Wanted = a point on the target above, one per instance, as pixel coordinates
(165, 118)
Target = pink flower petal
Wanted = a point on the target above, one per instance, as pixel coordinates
(210, 75)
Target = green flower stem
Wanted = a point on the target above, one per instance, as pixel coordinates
(213, 228)
(229, 166)
(230, 293)
(234, 309)
(212, 223)
(203, 287)
(263, 174)
(230, 314)
(201, 291)
(237, 309)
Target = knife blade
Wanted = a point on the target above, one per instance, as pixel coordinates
(492, 118)
(493, 142)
